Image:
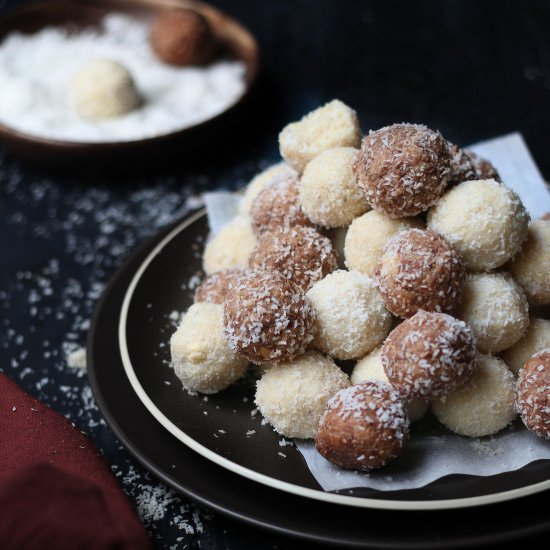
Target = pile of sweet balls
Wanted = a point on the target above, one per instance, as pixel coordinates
(442, 267)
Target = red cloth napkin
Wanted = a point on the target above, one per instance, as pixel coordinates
(56, 490)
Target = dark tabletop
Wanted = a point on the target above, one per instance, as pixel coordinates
(471, 69)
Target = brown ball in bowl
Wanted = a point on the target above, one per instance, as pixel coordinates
(182, 37)
(215, 286)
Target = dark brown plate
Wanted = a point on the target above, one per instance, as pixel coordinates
(236, 41)
(270, 508)
(223, 428)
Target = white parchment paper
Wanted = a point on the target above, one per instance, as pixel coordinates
(434, 452)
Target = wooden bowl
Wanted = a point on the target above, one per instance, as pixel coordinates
(235, 40)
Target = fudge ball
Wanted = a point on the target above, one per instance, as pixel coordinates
(267, 318)
(301, 254)
(293, 396)
(419, 269)
(215, 286)
(533, 394)
(329, 193)
(534, 340)
(364, 427)
(231, 247)
(370, 368)
(403, 169)
(367, 236)
(182, 37)
(495, 308)
(531, 267)
(278, 205)
(485, 405)
(332, 125)
(429, 355)
(201, 356)
(103, 89)
(351, 317)
(281, 170)
(484, 220)
(466, 166)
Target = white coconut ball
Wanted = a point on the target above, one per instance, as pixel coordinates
(370, 368)
(531, 267)
(260, 181)
(485, 406)
(230, 247)
(201, 356)
(332, 125)
(293, 396)
(484, 220)
(329, 193)
(367, 236)
(103, 89)
(496, 309)
(351, 317)
(535, 339)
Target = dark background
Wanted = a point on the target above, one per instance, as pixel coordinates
(471, 69)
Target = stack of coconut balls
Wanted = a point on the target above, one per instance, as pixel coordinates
(441, 267)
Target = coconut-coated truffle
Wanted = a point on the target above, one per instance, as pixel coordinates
(466, 166)
(495, 308)
(258, 183)
(367, 236)
(215, 286)
(182, 37)
(403, 169)
(329, 193)
(533, 394)
(332, 125)
(267, 318)
(364, 427)
(351, 317)
(231, 247)
(429, 355)
(535, 339)
(278, 205)
(484, 220)
(103, 89)
(201, 356)
(370, 368)
(301, 254)
(531, 267)
(292, 396)
(419, 269)
(485, 405)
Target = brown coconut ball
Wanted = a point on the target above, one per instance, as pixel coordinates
(278, 205)
(533, 394)
(182, 37)
(215, 286)
(419, 269)
(467, 166)
(403, 169)
(267, 318)
(429, 355)
(364, 427)
(301, 254)
(531, 267)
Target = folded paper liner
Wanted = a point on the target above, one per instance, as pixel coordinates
(434, 452)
